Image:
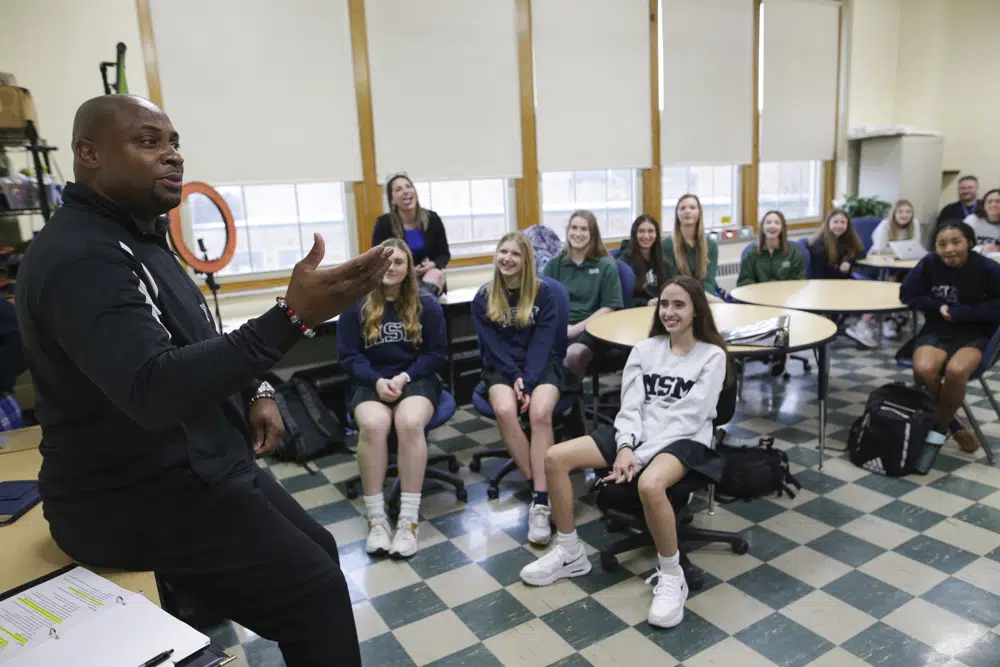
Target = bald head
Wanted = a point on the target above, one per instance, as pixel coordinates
(125, 147)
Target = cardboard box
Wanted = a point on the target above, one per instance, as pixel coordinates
(16, 109)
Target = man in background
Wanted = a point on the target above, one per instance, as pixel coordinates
(968, 200)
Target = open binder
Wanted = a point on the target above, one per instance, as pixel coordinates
(772, 332)
(75, 617)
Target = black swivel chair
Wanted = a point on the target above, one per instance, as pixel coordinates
(623, 509)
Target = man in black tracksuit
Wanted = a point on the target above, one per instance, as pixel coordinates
(149, 417)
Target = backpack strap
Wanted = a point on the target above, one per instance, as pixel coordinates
(292, 431)
(305, 392)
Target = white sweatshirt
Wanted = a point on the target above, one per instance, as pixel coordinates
(667, 397)
(880, 237)
(986, 231)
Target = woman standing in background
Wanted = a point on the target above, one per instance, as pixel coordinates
(643, 251)
(689, 251)
(421, 229)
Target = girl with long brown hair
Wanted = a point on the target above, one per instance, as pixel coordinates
(393, 343)
(643, 251)
(663, 432)
(590, 276)
(688, 249)
(420, 228)
(833, 252)
(516, 317)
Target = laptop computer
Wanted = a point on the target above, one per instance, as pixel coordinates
(911, 249)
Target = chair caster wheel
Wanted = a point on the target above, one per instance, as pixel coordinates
(352, 490)
(741, 548)
(475, 465)
(462, 494)
(786, 376)
(492, 492)
(806, 368)
(695, 581)
(454, 466)
(608, 562)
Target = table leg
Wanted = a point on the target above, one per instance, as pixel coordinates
(824, 386)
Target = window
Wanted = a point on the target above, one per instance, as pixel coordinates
(610, 194)
(794, 188)
(716, 187)
(474, 213)
(274, 224)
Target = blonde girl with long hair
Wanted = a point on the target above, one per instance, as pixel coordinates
(900, 225)
(393, 343)
(688, 249)
(516, 319)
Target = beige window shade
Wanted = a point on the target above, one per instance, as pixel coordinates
(445, 94)
(707, 82)
(260, 91)
(592, 93)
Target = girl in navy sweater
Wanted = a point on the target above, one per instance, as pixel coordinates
(670, 388)
(393, 343)
(832, 255)
(959, 293)
(516, 319)
(643, 251)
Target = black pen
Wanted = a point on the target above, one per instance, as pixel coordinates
(158, 659)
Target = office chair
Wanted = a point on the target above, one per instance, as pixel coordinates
(445, 410)
(623, 509)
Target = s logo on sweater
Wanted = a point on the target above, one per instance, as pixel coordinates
(392, 332)
(947, 293)
(513, 317)
(659, 386)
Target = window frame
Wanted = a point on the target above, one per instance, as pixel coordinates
(635, 200)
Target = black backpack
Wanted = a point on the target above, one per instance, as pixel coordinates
(891, 434)
(311, 428)
(754, 471)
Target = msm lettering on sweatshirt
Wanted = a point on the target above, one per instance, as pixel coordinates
(659, 386)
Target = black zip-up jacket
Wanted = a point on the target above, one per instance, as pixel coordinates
(133, 381)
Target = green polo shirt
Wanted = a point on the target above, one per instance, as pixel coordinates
(758, 267)
(592, 284)
(711, 287)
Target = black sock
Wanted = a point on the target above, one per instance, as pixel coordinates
(541, 498)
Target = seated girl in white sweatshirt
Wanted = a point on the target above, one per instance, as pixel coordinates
(670, 386)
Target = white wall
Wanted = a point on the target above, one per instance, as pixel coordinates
(55, 47)
(930, 64)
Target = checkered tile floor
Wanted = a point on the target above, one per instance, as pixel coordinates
(857, 570)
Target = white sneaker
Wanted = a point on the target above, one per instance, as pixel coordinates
(379, 535)
(558, 563)
(404, 542)
(539, 524)
(669, 596)
(861, 334)
(889, 329)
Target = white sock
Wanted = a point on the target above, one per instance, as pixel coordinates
(409, 505)
(669, 563)
(569, 541)
(375, 505)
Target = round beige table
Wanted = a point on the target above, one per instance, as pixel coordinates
(824, 296)
(627, 328)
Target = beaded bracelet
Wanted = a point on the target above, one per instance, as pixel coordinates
(306, 331)
(262, 396)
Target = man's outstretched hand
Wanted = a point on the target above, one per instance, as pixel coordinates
(317, 294)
